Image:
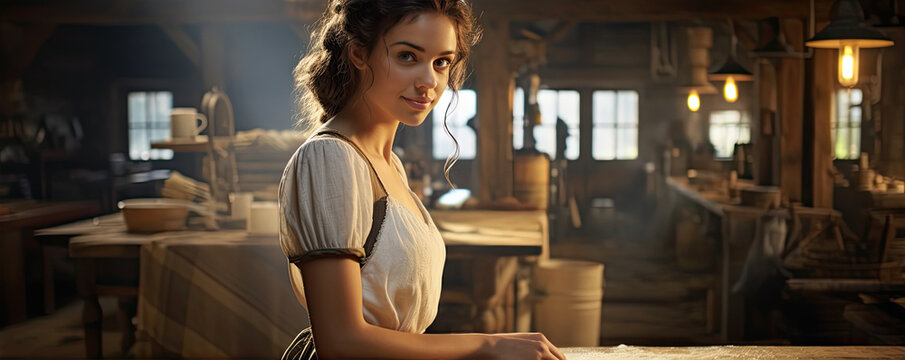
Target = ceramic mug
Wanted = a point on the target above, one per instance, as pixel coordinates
(241, 204)
(184, 123)
(264, 218)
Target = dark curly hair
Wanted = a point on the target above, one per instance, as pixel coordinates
(325, 78)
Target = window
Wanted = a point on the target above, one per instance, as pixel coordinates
(847, 124)
(615, 117)
(563, 104)
(149, 121)
(458, 110)
(728, 128)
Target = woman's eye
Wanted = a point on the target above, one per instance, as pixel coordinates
(406, 56)
(441, 63)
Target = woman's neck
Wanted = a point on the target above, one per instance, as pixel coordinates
(374, 135)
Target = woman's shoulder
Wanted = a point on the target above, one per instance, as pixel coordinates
(327, 154)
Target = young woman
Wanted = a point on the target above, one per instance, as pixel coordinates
(366, 260)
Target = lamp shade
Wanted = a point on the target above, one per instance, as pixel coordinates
(847, 27)
(730, 68)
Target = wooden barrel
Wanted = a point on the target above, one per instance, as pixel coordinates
(568, 299)
(532, 178)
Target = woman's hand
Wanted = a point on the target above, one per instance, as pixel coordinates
(522, 346)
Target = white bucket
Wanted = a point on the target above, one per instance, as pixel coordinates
(568, 295)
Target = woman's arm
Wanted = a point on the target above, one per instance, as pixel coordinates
(333, 292)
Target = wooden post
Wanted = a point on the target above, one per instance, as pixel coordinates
(819, 137)
(891, 108)
(495, 83)
(790, 96)
(766, 131)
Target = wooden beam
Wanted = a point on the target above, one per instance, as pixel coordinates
(107, 12)
(891, 107)
(765, 143)
(494, 88)
(821, 88)
(184, 42)
(790, 96)
(24, 49)
(651, 10)
(562, 29)
(590, 77)
(744, 36)
(123, 12)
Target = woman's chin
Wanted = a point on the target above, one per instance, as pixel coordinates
(413, 120)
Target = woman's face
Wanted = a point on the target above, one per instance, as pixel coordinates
(411, 65)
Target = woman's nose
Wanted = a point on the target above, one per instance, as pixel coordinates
(427, 78)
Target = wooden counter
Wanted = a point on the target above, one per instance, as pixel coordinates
(732, 229)
(736, 352)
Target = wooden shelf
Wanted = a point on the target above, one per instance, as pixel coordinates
(199, 144)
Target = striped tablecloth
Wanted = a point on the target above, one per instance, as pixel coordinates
(219, 295)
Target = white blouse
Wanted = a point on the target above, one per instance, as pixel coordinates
(326, 206)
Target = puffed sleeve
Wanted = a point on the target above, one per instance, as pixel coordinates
(325, 201)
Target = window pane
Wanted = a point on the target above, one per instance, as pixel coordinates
(842, 143)
(549, 107)
(727, 128)
(545, 137)
(149, 121)
(615, 119)
(854, 145)
(554, 104)
(604, 141)
(569, 107)
(518, 117)
(604, 103)
(856, 96)
(572, 145)
(847, 124)
(453, 111)
(627, 109)
(627, 143)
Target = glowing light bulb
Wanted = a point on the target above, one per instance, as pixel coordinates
(694, 101)
(848, 65)
(730, 91)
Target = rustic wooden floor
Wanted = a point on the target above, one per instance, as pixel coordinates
(647, 300)
(59, 335)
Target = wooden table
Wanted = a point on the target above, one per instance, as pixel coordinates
(736, 352)
(101, 245)
(15, 232)
(484, 247)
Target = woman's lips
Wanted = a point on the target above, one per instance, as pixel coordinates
(418, 104)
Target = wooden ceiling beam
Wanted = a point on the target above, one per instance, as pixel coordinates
(650, 10)
(132, 12)
(113, 12)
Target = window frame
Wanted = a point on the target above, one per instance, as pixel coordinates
(149, 126)
(120, 89)
(591, 124)
(578, 128)
(743, 114)
(834, 126)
